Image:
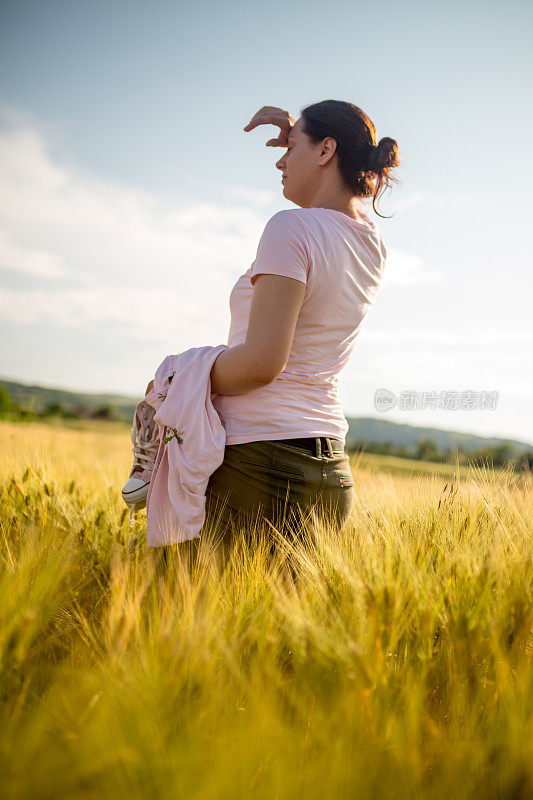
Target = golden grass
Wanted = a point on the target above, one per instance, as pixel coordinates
(396, 663)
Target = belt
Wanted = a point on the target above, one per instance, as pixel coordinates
(316, 444)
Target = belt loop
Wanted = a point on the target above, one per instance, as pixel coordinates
(330, 446)
(318, 444)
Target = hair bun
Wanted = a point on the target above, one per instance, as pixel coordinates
(384, 155)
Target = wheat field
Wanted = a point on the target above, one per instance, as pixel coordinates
(394, 661)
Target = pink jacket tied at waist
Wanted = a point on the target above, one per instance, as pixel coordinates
(181, 395)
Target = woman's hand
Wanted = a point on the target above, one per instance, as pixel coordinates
(270, 115)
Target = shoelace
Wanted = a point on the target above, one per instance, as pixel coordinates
(145, 451)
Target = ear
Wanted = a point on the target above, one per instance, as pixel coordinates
(328, 148)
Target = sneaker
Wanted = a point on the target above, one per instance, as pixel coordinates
(145, 435)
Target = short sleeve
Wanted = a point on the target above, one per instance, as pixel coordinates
(283, 248)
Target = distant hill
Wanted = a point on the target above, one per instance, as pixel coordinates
(380, 430)
(370, 429)
(37, 398)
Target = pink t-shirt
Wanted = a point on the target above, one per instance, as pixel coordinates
(341, 261)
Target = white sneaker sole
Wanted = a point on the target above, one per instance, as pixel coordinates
(137, 496)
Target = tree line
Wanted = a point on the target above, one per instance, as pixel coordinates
(499, 455)
(424, 450)
(16, 412)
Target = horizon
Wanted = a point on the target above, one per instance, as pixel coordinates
(381, 418)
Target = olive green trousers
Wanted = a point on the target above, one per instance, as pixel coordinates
(273, 485)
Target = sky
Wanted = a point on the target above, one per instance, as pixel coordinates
(131, 199)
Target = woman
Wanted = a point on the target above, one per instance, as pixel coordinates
(295, 315)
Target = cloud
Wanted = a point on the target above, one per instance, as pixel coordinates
(406, 269)
(258, 197)
(143, 314)
(428, 337)
(29, 261)
(443, 198)
(126, 259)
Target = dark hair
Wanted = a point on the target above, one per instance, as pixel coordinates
(364, 165)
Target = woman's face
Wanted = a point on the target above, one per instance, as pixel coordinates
(300, 167)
